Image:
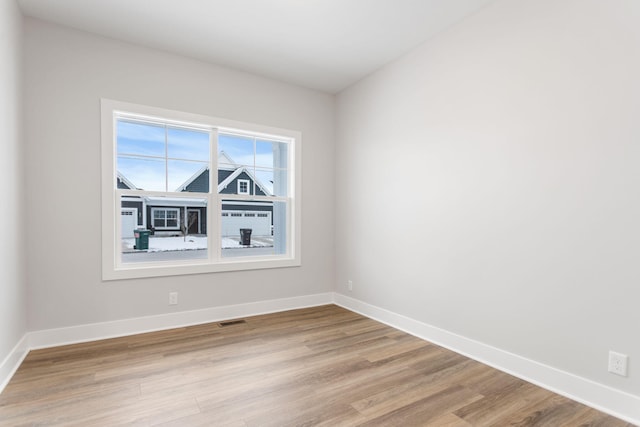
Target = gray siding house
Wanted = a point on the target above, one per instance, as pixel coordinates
(166, 216)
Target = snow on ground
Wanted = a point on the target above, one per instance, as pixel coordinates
(163, 244)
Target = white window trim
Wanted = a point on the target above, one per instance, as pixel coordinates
(113, 269)
(244, 181)
(153, 218)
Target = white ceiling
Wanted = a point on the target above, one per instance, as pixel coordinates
(320, 44)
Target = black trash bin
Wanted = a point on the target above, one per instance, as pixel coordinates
(142, 239)
(245, 236)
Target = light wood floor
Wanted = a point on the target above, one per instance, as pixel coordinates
(317, 366)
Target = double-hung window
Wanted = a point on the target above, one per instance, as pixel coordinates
(165, 218)
(209, 194)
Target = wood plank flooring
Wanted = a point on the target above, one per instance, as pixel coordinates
(323, 366)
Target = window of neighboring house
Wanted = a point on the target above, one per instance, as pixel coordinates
(172, 163)
(243, 186)
(165, 218)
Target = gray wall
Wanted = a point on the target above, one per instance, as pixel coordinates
(512, 141)
(67, 72)
(12, 275)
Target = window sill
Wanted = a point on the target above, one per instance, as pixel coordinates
(142, 270)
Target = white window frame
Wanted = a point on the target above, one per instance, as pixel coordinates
(153, 218)
(244, 181)
(114, 269)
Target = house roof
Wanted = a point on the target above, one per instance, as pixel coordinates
(126, 182)
(185, 184)
(227, 164)
(224, 161)
(228, 180)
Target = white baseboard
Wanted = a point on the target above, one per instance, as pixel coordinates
(12, 362)
(601, 397)
(119, 328)
(606, 399)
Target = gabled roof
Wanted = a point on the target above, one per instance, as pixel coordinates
(126, 182)
(228, 180)
(228, 164)
(200, 171)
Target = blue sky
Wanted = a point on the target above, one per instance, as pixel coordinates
(141, 154)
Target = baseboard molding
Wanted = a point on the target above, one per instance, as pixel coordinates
(12, 362)
(119, 328)
(97, 331)
(606, 399)
(601, 397)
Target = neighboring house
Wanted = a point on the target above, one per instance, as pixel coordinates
(132, 208)
(166, 216)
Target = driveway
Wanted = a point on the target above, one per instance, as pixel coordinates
(173, 255)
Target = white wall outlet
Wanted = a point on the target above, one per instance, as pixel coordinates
(618, 363)
(173, 298)
(350, 285)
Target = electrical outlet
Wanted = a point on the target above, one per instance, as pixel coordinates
(173, 298)
(350, 284)
(618, 363)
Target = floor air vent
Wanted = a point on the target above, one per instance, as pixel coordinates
(231, 322)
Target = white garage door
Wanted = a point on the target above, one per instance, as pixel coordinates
(258, 222)
(129, 221)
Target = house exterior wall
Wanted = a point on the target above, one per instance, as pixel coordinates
(138, 206)
(232, 188)
(246, 207)
(223, 174)
(200, 184)
(166, 231)
(122, 185)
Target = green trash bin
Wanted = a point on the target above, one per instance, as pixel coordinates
(142, 239)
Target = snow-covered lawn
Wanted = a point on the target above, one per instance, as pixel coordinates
(163, 244)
